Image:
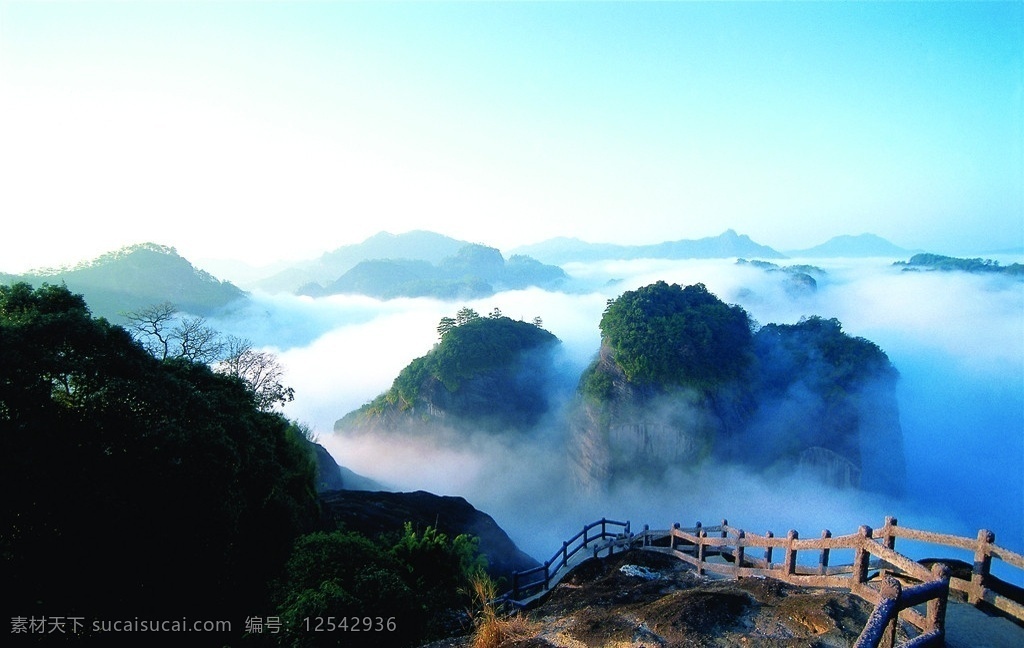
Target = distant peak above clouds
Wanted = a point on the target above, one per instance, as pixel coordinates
(861, 245)
(726, 245)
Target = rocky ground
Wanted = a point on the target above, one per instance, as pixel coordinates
(640, 598)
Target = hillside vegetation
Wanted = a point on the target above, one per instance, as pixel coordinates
(157, 489)
(135, 277)
(484, 371)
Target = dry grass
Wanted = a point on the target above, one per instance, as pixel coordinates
(492, 628)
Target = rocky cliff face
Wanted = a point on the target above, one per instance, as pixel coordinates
(636, 431)
(373, 513)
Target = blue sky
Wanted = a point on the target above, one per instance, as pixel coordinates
(265, 131)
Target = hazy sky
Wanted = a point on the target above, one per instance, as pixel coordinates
(262, 131)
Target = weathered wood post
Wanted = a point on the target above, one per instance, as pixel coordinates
(701, 536)
(647, 535)
(790, 564)
(888, 540)
(823, 558)
(725, 523)
(982, 565)
(515, 585)
(565, 553)
(936, 607)
(891, 589)
(586, 540)
(768, 551)
(547, 574)
(672, 536)
(739, 551)
(888, 532)
(861, 556)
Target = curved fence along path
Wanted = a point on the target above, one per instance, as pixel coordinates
(896, 585)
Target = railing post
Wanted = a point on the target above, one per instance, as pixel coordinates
(586, 541)
(888, 539)
(515, 585)
(701, 535)
(982, 566)
(861, 556)
(672, 536)
(936, 607)
(891, 589)
(547, 574)
(725, 523)
(790, 564)
(604, 531)
(768, 551)
(823, 558)
(647, 536)
(739, 551)
(565, 554)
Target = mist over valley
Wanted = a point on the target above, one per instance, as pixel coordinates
(954, 339)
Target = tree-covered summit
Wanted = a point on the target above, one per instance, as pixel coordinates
(668, 334)
(485, 370)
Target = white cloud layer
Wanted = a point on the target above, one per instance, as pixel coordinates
(957, 340)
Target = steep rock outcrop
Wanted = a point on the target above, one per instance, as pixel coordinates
(667, 393)
(374, 513)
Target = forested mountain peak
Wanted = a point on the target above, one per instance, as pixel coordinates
(485, 372)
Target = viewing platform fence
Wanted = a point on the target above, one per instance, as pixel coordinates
(900, 588)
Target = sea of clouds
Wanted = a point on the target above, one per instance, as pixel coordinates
(956, 339)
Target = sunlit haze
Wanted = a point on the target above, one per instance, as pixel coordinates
(262, 131)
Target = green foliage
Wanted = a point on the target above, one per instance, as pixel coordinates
(342, 575)
(670, 335)
(132, 480)
(473, 346)
(416, 580)
(818, 352)
(596, 384)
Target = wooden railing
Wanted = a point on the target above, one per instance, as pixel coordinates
(729, 551)
(543, 575)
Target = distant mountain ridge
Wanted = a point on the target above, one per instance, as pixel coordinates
(137, 276)
(726, 245)
(861, 245)
(474, 271)
(419, 245)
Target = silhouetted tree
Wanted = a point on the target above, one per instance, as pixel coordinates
(135, 485)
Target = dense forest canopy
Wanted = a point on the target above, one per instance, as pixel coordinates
(132, 481)
(672, 335)
(472, 347)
